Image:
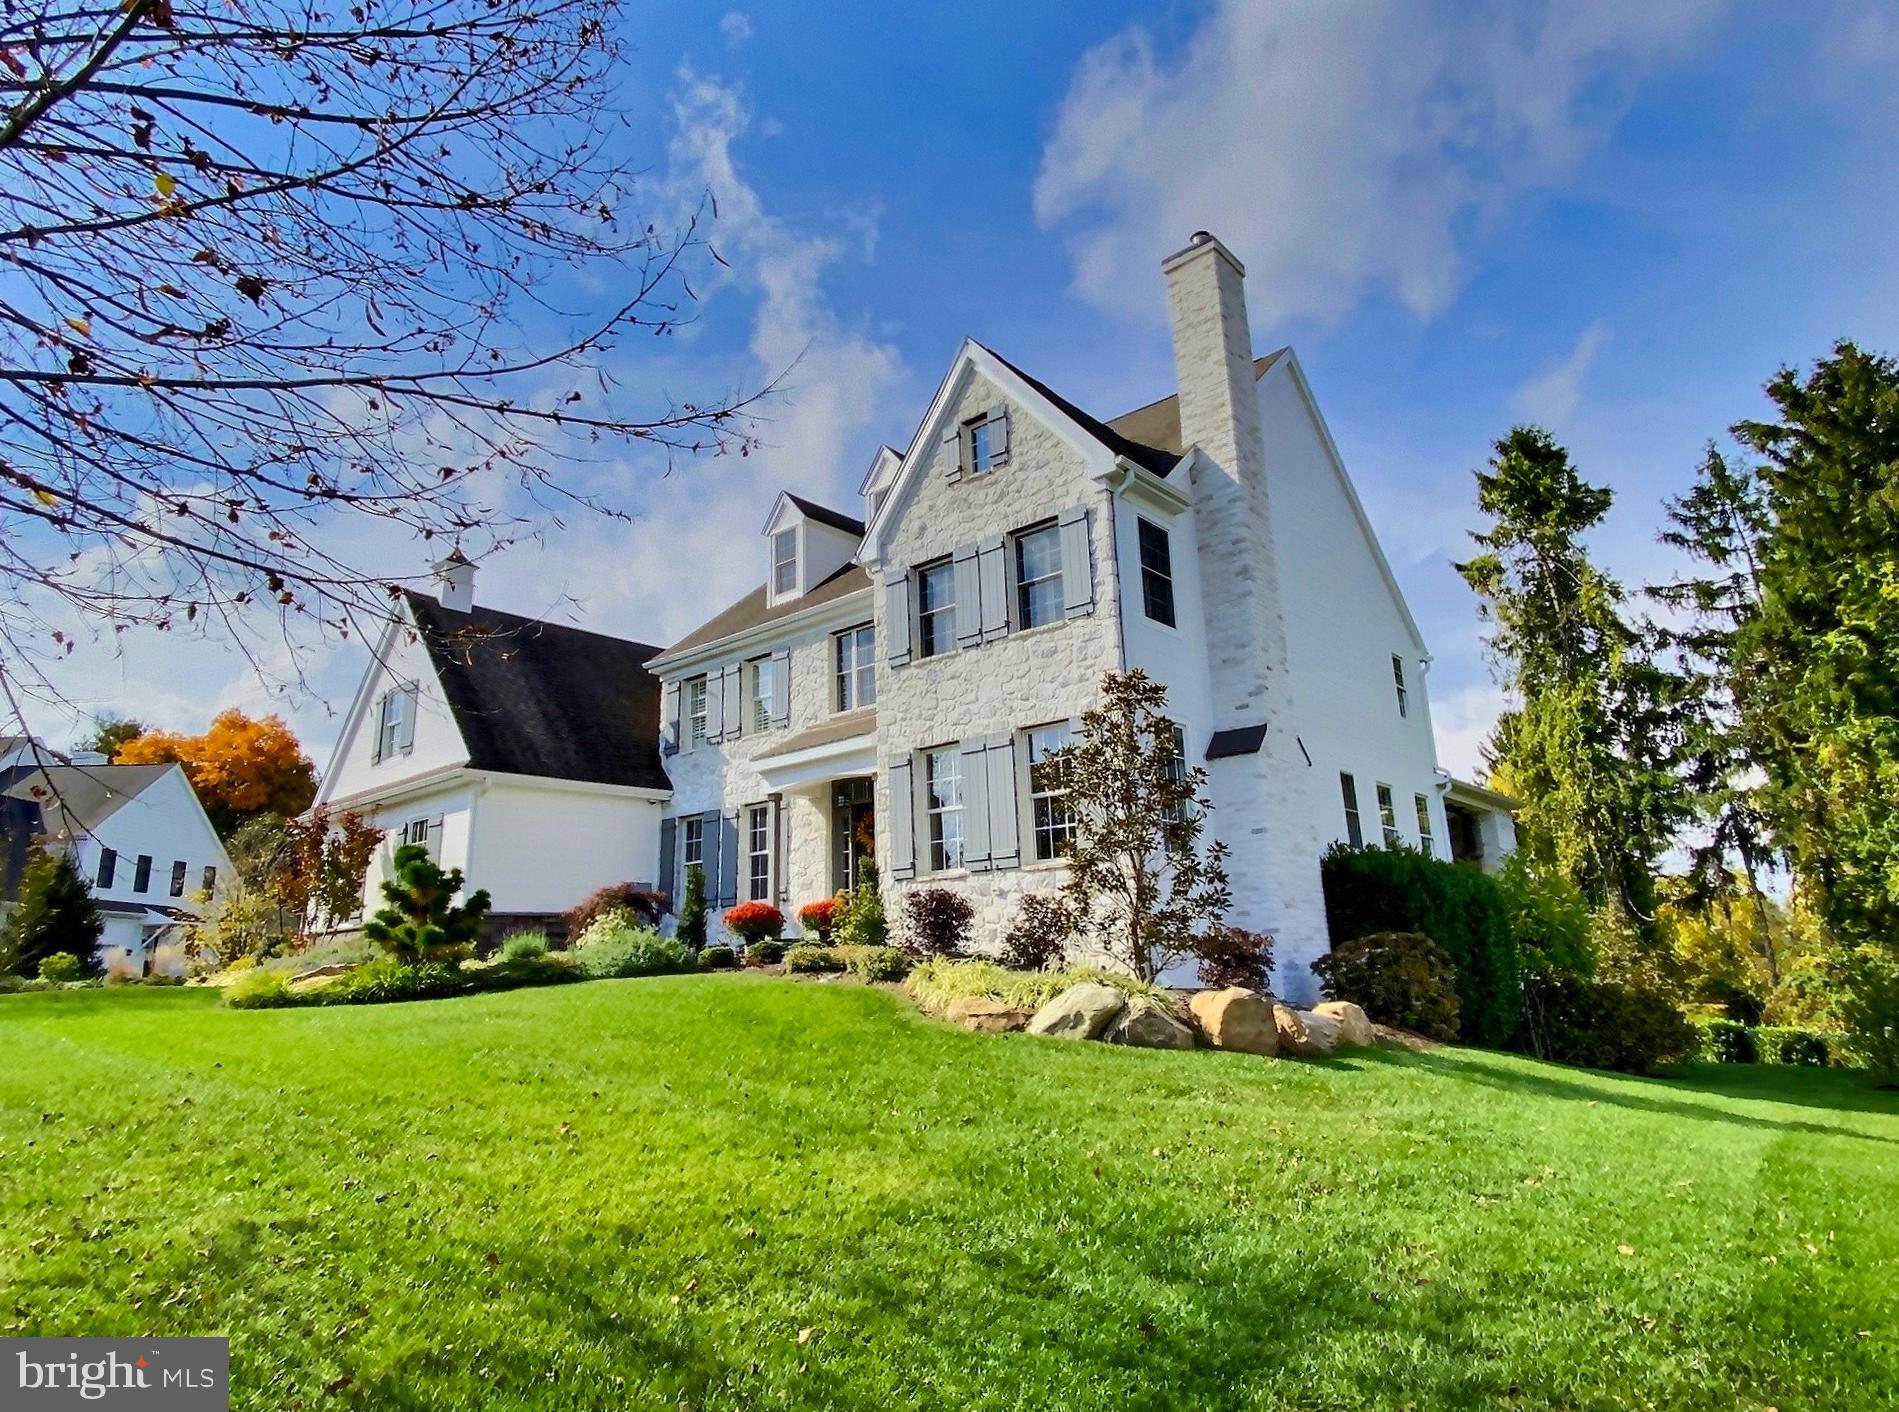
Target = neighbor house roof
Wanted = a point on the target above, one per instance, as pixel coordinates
(755, 609)
(535, 698)
(825, 515)
(1158, 423)
(73, 800)
(1155, 458)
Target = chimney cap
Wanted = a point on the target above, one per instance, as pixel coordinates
(1200, 244)
(1200, 237)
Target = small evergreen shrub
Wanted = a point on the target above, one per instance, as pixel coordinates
(419, 919)
(718, 958)
(260, 990)
(691, 930)
(1401, 890)
(810, 960)
(1606, 1024)
(1397, 978)
(523, 945)
(62, 967)
(1782, 1044)
(1037, 940)
(625, 953)
(1726, 1042)
(936, 921)
(818, 918)
(874, 963)
(765, 953)
(553, 968)
(863, 922)
(642, 904)
(754, 921)
(1229, 956)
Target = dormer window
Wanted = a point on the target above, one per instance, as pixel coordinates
(982, 443)
(784, 561)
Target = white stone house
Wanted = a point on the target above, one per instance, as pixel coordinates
(524, 753)
(136, 833)
(893, 684)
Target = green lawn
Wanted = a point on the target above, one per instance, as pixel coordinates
(731, 1192)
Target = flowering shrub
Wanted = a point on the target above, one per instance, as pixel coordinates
(819, 917)
(751, 921)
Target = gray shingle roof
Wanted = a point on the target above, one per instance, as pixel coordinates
(755, 610)
(543, 699)
(1158, 423)
(75, 799)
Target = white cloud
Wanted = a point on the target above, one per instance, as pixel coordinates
(1462, 720)
(1338, 148)
(1551, 396)
(736, 27)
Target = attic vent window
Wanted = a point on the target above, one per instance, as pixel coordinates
(784, 561)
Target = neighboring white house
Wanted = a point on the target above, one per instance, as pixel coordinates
(136, 833)
(524, 753)
(893, 687)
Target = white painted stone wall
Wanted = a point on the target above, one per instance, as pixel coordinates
(353, 770)
(1032, 678)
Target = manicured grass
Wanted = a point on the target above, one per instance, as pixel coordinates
(732, 1191)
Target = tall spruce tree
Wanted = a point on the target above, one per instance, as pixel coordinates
(55, 913)
(1590, 747)
(1819, 663)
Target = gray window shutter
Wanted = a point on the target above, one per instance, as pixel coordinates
(728, 860)
(896, 626)
(953, 454)
(668, 850)
(781, 688)
(903, 849)
(731, 684)
(669, 737)
(777, 889)
(975, 805)
(435, 837)
(968, 597)
(709, 854)
(993, 570)
(411, 694)
(998, 420)
(1005, 851)
(1078, 575)
(715, 708)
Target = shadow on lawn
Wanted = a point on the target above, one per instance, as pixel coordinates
(1653, 1096)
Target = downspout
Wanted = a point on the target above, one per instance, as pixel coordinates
(1117, 481)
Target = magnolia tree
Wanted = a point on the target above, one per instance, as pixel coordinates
(1140, 883)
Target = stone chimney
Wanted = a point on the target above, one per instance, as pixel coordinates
(455, 582)
(1213, 355)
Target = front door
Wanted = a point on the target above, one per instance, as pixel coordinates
(853, 830)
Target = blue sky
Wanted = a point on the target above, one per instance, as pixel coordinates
(1616, 219)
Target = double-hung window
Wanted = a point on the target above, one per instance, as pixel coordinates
(758, 853)
(1397, 678)
(763, 672)
(988, 437)
(422, 831)
(1038, 577)
(1424, 823)
(692, 852)
(784, 561)
(393, 728)
(943, 802)
(1157, 572)
(856, 668)
(1050, 820)
(108, 865)
(696, 711)
(209, 878)
(1354, 830)
(1177, 772)
(178, 878)
(1388, 817)
(936, 609)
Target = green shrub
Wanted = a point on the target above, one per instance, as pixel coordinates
(622, 953)
(718, 958)
(1606, 1024)
(1726, 1041)
(522, 945)
(1549, 919)
(554, 968)
(419, 919)
(351, 952)
(61, 967)
(1865, 981)
(765, 953)
(874, 963)
(863, 922)
(1783, 1044)
(261, 990)
(1397, 978)
(691, 928)
(810, 960)
(388, 979)
(1370, 891)
(935, 983)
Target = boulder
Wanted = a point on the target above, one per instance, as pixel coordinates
(1322, 1035)
(1236, 1018)
(986, 1016)
(1146, 1025)
(1355, 1026)
(1291, 1029)
(1080, 1012)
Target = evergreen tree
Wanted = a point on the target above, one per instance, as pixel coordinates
(55, 913)
(1138, 879)
(421, 921)
(1590, 748)
(692, 911)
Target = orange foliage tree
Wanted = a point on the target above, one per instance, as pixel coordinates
(240, 767)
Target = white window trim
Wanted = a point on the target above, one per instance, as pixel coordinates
(778, 595)
(1424, 824)
(757, 826)
(1388, 816)
(1026, 791)
(1404, 692)
(935, 815)
(692, 842)
(697, 717)
(758, 703)
(1354, 811)
(1172, 579)
(1017, 600)
(861, 664)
